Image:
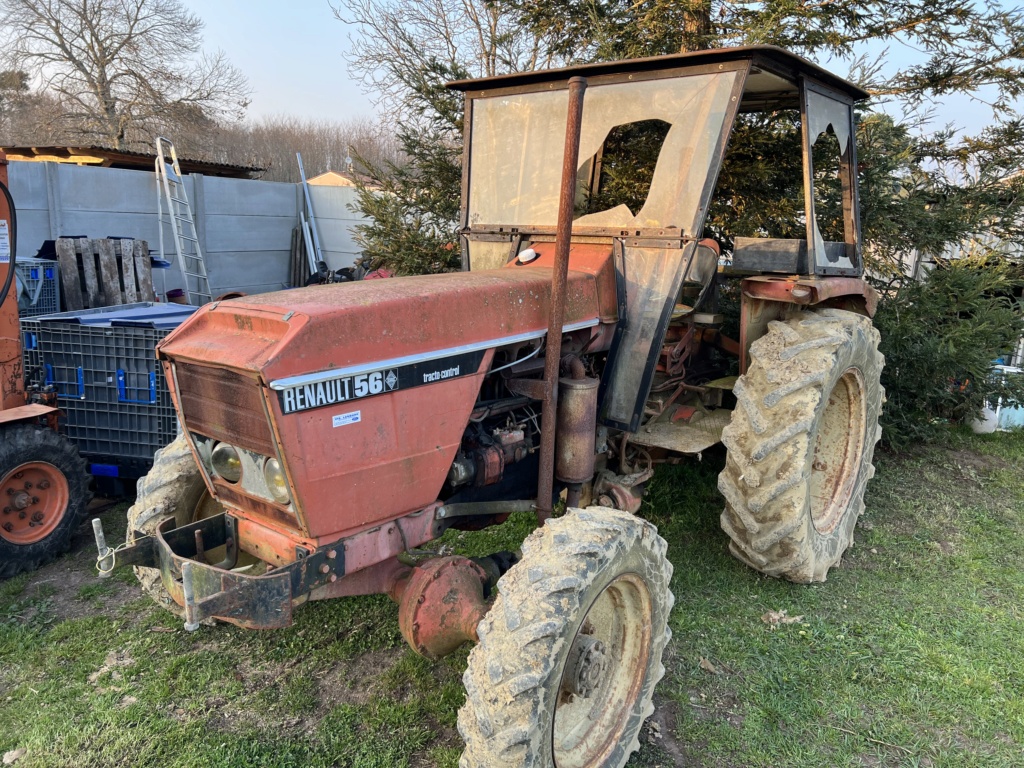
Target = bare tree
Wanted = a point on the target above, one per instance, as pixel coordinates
(479, 37)
(121, 69)
(26, 117)
(271, 143)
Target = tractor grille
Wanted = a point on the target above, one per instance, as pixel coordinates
(224, 405)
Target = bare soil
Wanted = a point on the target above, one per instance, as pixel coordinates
(62, 580)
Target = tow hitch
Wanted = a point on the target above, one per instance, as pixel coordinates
(212, 590)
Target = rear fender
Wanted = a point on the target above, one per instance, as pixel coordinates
(765, 298)
(32, 413)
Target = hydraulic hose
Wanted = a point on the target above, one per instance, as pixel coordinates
(14, 240)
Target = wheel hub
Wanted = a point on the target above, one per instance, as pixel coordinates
(603, 674)
(35, 497)
(838, 449)
(587, 666)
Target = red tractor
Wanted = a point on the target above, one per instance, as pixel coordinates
(328, 430)
(44, 487)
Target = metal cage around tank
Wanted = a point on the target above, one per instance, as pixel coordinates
(102, 362)
(39, 287)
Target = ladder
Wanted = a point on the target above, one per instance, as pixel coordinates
(173, 210)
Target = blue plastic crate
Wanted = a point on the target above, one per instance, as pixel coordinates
(102, 362)
(32, 353)
(39, 292)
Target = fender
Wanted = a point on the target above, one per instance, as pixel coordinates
(766, 297)
(31, 412)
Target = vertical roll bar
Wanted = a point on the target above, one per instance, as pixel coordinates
(559, 278)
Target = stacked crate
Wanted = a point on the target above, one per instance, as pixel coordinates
(40, 279)
(39, 294)
(32, 355)
(102, 363)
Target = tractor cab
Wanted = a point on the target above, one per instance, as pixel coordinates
(652, 140)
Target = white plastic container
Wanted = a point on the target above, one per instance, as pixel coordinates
(1001, 418)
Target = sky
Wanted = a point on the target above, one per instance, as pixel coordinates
(293, 55)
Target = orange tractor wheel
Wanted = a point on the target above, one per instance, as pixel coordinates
(43, 492)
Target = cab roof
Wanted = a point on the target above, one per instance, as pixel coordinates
(774, 74)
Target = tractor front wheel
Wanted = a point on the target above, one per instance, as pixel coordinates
(43, 493)
(800, 443)
(570, 652)
(172, 490)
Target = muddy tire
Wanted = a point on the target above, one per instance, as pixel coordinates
(800, 443)
(44, 490)
(542, 688)
(173, 489)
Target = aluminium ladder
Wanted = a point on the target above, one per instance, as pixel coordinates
(178, 215)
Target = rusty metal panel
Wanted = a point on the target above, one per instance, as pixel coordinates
(591, 258)
(577, 421)
(12, 378)
(235, 337)
(268, 543)
(808, 291)
(224, 405)
(26, 412)
(237, 498)
(323, 327)
(355, 463)
(703, 430)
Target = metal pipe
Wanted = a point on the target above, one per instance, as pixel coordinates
(105, 562)
(573, 493)
(559, 279)
(318, 256)
(574, 366)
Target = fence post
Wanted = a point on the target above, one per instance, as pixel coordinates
(53, 204)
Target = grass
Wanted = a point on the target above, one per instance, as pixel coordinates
(911, 654)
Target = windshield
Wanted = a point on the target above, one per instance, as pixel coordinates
(518, 141)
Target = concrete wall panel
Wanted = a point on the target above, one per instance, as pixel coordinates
(30, 181)
(233, 234)
(241, 271)
(247, 197)
(244, 226)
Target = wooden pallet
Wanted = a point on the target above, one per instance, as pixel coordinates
(104, 273)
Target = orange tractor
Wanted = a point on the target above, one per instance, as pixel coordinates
(328, 430)
(43, 483)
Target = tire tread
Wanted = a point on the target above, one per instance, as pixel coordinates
(765, 481)
(506, 688)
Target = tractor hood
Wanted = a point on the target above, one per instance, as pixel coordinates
(321, 328)
(362, 389)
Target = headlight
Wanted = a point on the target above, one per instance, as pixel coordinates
(226, 462)
(277, 483)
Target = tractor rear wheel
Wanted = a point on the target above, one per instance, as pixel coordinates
(43, 494)
(571, 650)
(173, 489)
(800, 443)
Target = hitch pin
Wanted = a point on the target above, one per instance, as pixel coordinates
(200, 549)
(188, 590)
(105, 563)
